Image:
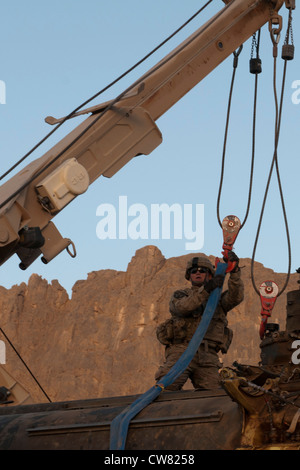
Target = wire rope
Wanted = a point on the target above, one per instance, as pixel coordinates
(278, 116)
(24, 363)
(235, 64)
(109, 107)
(72, 113)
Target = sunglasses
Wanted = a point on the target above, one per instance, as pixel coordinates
(201, 270)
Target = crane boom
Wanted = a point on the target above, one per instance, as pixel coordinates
(114, 133)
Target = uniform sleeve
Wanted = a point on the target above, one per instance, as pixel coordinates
(184, 302)
(235, 293)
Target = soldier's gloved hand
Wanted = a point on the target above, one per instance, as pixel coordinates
(234, 259)
(216, 281)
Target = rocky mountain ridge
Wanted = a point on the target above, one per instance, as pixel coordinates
(102, 341)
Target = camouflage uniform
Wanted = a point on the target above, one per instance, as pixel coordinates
(187, 307)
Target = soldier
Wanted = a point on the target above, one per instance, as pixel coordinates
(186, 308)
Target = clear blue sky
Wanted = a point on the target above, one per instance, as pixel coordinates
(57, 54)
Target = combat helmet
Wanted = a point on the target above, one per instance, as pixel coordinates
(199, 261)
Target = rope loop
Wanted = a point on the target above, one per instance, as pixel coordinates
(278, 116)
(235, 63)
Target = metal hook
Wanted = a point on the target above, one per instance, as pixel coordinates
(275, 20)
(236, 55)
(73, 255)
(275, 32)
(239, 50)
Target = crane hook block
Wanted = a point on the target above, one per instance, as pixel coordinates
(268, 292)
(230, 226)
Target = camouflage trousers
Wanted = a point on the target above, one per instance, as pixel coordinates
(202, 370)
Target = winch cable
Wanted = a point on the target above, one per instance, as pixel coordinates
(72, 113)
(119, 425)
(108, 108)
(24, 363)
(278, 116)
(235, 64)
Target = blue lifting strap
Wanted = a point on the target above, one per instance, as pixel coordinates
(119, 425)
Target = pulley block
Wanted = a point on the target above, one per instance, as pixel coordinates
(268, 292)
(230, 226)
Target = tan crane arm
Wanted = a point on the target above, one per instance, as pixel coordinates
(107, 140)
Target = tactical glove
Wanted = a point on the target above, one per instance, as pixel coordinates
(216, 281)
(234, 259)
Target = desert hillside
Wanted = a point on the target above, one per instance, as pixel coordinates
(102, 341)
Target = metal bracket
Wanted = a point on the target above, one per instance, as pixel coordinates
(275, 20)
(94, 109)
(290, 4)
(55, 244)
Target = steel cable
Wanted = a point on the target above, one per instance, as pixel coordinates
(24, 363)
(278, 115)
(236, 54)
(108, 108)
(70, 115)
